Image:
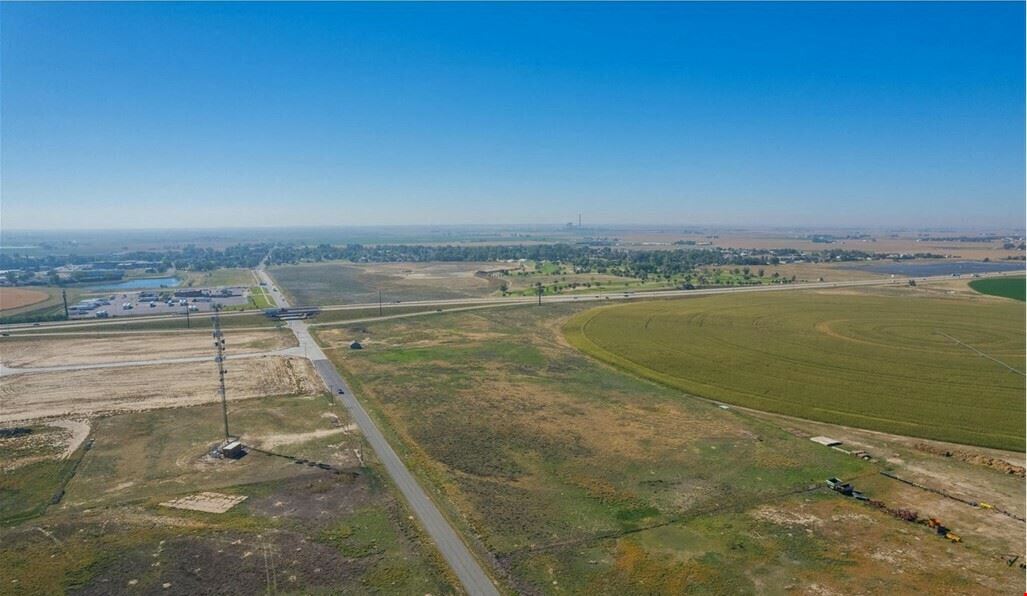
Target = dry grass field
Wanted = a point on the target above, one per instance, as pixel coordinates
(11, 298)
(577, 478)
(81, 489)
(349, 283)
(299, 529)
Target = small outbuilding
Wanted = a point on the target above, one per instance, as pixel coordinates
(826, 441)
(232, 449)
(355, 345)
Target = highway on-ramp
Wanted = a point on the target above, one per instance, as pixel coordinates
(453, 549)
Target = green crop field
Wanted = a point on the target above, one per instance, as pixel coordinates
(887, 363)
(1005, 287)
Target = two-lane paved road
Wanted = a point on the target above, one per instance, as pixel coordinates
(449, 543)
(499, 301)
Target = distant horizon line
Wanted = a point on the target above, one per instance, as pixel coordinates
(556, 226)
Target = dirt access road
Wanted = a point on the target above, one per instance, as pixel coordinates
(56, 350)
(449, 543)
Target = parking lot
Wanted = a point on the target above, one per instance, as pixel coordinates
(152, 302)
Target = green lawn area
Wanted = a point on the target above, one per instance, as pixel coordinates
(228, 276)
(1005, 287)
(259, 298)
(882, 362)
(561, 279)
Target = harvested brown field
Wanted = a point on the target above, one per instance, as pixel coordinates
(37, 351)
(92, 391)
(11, 298)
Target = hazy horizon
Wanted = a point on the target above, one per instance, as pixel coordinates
(184, 116)
(667, 227)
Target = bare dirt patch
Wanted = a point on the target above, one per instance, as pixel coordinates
(79, 430)
(270, 442)
(42, 395)
(206, 502)
(18, 297)
(25, 352)
(973, 457)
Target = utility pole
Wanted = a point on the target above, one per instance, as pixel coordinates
(379, 303)
(579, 221)
(219, 349)
(187, 316)
(64, 295)
(538, 290)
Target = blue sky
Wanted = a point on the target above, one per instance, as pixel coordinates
(168, 115)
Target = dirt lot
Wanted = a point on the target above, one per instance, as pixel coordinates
(19, 297)
(348, 283)
(39, 395)
(34, 351)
